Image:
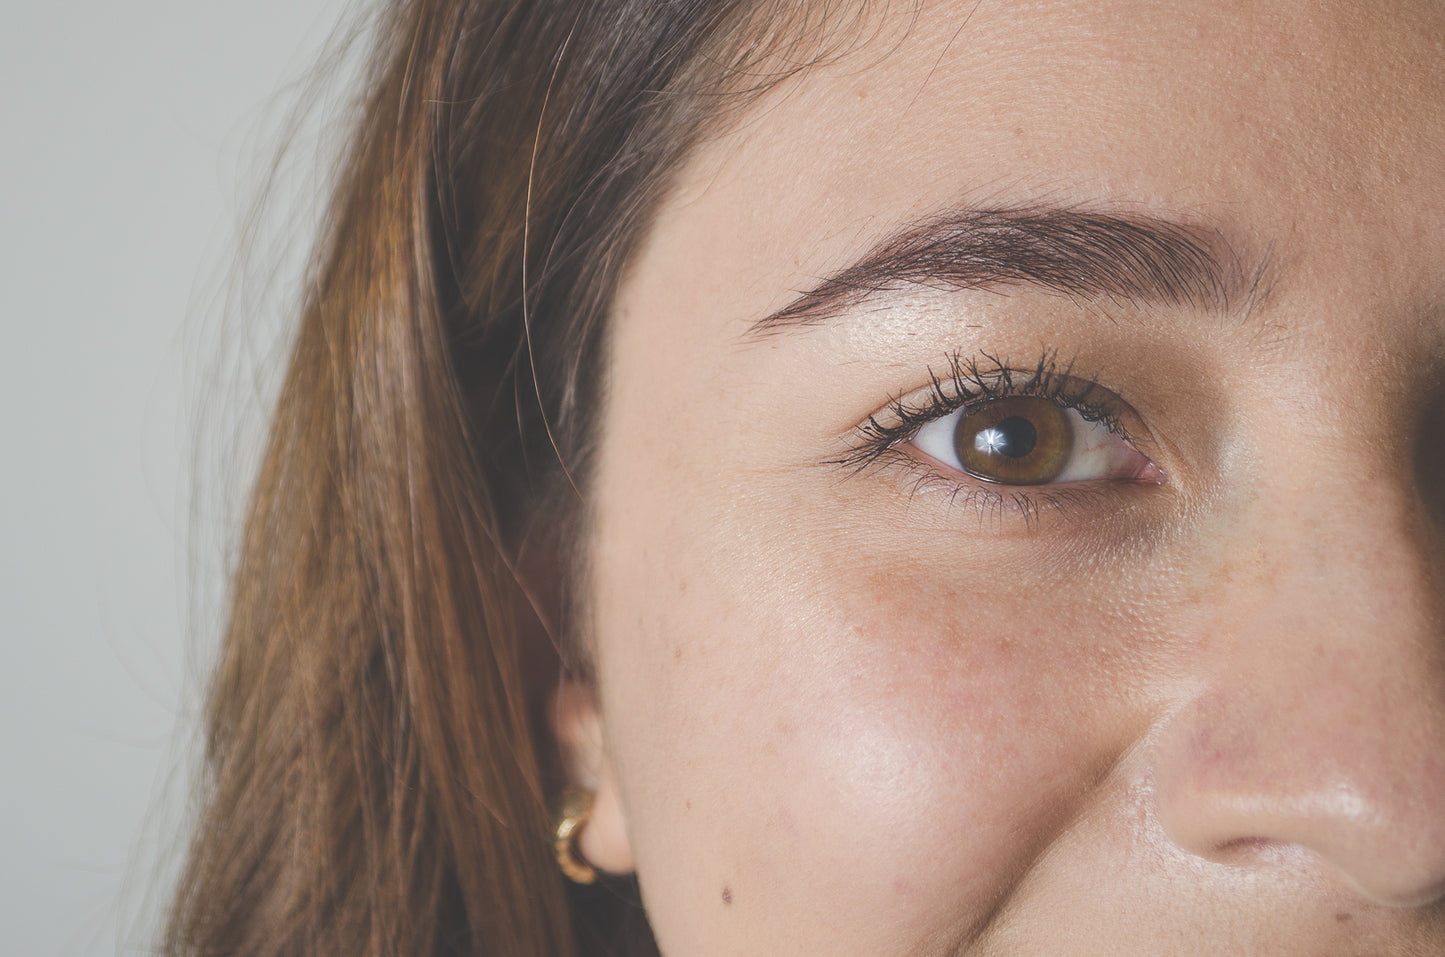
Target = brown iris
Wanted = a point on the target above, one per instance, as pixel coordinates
(1017, 440)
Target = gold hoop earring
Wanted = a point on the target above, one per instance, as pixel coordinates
(572, 815)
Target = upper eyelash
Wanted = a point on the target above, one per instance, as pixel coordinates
(970, 379)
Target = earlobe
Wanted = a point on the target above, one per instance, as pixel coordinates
(602, 840)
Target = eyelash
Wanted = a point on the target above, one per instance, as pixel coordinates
(968, 380)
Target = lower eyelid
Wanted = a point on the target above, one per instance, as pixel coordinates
(990, 500)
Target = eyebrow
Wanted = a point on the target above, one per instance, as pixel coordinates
(1084, 255)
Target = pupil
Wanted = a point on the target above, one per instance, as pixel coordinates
(1014, 437)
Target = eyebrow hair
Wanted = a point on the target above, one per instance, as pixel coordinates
(1083, 255)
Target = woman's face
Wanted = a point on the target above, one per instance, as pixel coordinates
(1182, 266)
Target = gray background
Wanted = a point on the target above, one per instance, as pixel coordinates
(133, 371)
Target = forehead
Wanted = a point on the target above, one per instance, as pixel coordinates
(1273, 120)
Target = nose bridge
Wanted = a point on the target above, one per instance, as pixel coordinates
(1320, 717)
(1340, 527)
(1358, 556)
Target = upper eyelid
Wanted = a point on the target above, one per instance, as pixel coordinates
(1095, 402)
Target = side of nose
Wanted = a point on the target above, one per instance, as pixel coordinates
(1318, 726)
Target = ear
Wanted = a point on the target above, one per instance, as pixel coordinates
(577, 723)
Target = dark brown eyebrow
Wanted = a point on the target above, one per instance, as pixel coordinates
(1084, 255)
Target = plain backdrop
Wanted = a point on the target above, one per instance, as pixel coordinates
(134, 369)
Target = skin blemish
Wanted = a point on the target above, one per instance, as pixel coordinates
(1344, 917)
(727, 896)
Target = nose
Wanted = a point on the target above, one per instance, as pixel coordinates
(1316, 732)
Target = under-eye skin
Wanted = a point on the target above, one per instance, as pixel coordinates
(994, 432)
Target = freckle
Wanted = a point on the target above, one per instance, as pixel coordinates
(1344, 917)
(727, 895)
(1003, 647)
(682, 586)
(688, 805)
(677, 653)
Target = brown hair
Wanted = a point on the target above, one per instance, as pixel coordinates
(374, 784)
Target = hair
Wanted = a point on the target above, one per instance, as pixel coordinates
(377, 767)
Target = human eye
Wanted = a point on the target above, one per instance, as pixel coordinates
(1029, 440)
(988, 422)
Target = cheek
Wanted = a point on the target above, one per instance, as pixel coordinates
(818, 730)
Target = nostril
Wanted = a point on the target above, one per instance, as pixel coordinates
(1269, 853)
(1290, 782)
(1251, 847)
(1248, 851)
(1379, 858)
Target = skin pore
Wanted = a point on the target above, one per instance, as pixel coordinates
(895, 709)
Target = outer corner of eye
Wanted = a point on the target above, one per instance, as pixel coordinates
(1102, 454)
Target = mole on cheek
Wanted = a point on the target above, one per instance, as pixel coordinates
(727, 896)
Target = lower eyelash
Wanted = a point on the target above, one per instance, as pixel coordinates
(990, 501)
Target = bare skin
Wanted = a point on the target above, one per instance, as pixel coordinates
(1189, 701)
